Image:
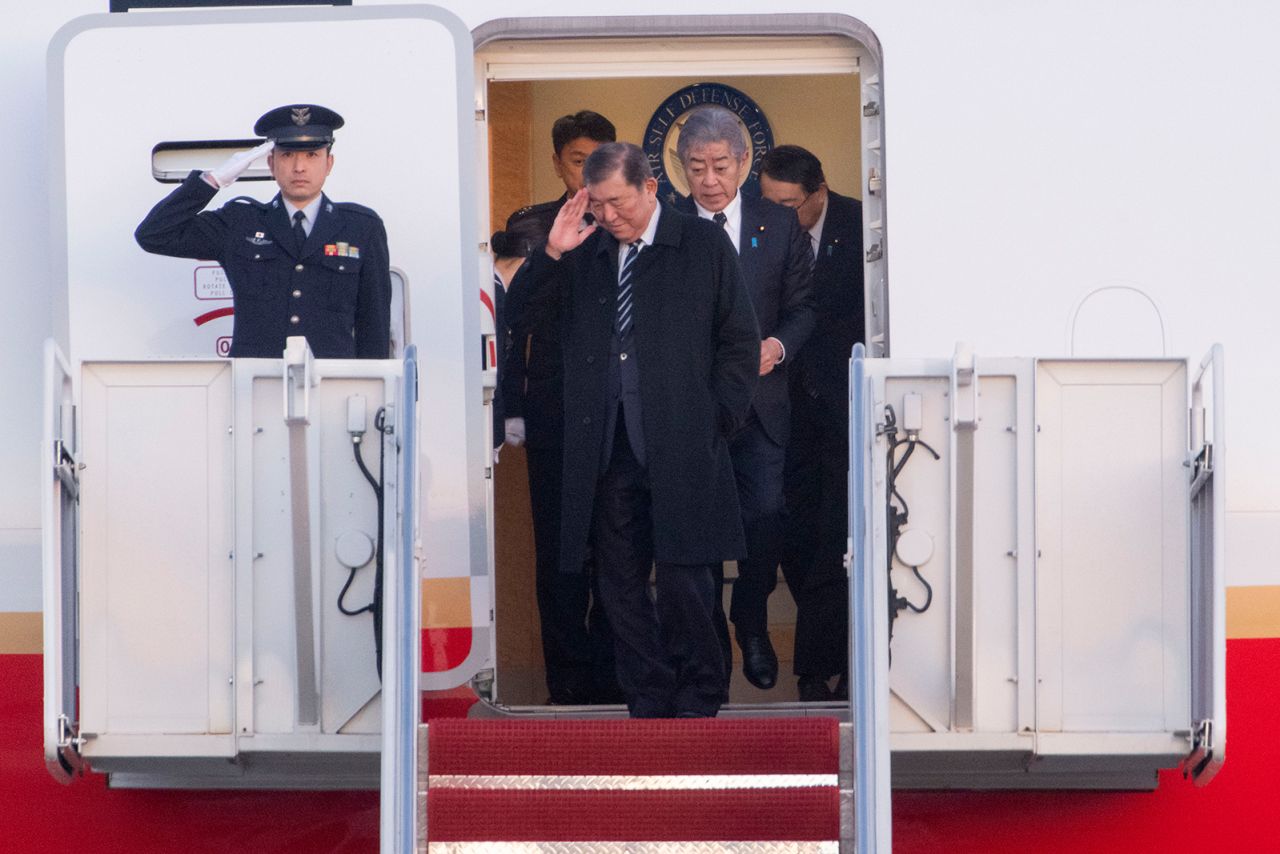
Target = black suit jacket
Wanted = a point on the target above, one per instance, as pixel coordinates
(822, 368)
(341, 303)
(699, 353)
(776, 261)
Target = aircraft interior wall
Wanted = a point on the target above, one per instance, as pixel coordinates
(817, 111)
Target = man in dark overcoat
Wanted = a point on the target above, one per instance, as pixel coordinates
(776, 261)
(661, 354)
(817, 469)
(299, 264)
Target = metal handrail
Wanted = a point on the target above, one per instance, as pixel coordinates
(868, 636)
(401, 641)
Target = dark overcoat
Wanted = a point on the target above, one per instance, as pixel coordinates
(699, 355)
(776, 259)
(335, 290)
(533, 372)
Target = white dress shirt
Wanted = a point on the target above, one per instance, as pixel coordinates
(815, 233)
(646, 239)
(733, 219)
(308, 213)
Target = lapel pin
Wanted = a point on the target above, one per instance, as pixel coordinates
(755, 243)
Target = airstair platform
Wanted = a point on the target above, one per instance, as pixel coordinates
(753, 785)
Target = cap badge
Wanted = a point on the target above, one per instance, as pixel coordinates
(301, 115)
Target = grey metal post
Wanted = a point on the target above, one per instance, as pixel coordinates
(400, 638)
(868, 635)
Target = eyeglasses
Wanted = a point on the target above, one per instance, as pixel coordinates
(801, 203)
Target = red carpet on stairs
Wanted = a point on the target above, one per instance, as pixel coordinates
(633, 781)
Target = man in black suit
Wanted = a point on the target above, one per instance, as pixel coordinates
(577, 647)
(661, 353)
(299, 264)
(817, 498)
(776, 261)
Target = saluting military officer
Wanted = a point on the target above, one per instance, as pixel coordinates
(299, 264)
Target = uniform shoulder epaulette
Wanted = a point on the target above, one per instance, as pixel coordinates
(355, 208)
(539, 210)
(248, 200)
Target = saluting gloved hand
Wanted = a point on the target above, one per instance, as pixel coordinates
(226, 174)
(514, 428)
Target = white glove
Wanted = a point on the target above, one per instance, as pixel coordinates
(226, 174)
(514, 428)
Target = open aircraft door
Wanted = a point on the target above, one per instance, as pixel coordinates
(1207, 554)
(136, 101)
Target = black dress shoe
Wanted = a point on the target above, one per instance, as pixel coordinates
(759, 663)
(814, 690)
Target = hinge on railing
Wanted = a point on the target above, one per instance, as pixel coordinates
(69, 735)
(66, 469)
(1201, 466)
(1201, 749)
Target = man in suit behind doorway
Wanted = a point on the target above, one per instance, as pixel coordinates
(816, 488)
(577, 646)
(776, 260)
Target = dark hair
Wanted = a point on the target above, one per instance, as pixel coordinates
(614, 156)
(582, 123)
(520, 238)
(706, 125)
(794, 165)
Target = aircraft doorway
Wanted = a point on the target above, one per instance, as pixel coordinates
(807, 90)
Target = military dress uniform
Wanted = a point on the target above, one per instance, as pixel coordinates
(335, 288)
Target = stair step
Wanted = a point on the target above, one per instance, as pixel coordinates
(634, 747)
(802, 814)
(744, 786)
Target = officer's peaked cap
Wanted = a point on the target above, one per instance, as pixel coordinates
(299, 127)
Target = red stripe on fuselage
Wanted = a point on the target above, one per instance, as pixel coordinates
(202, 319)
(445, 648)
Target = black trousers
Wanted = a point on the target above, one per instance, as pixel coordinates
(758, 468)
(668, 659)
(577, 644)
(815, 526)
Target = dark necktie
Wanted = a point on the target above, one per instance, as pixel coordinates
(624, 289)
(299, 233)
(719, 218)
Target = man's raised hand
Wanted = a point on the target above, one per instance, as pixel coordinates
(567, 232)
(226, 174)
